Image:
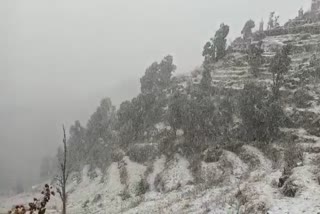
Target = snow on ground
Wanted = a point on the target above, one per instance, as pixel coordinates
(176, 174)
(23, 199)
(135, 174)
(257, 160)
(102, 194)
(158, 167)
(250, 172)
(307, 199)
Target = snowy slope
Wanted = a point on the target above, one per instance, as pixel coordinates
(246, 181)
(102, 194)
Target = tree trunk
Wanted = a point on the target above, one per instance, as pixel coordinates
(64, 175)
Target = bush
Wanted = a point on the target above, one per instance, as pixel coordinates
(212, 154)
(305, 36)
(255, 58)
(38, 205)
(142, 153)
(142, 187)
(261, 115)
(272, 153)
(96, 198)
(158, 183)
(290, 189)
(293, 156)
(125, 195)
(279, 66)
(123, 172)
(302, 98)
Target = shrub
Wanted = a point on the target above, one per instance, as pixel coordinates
(301, 98)
(290, 189)
(97, 198)
(158, 183)
(125, 195)
(305, 36)
(255, 58)
(38, 205)
(261, 116)
(272, 153)
(215, 49)
(279, 66)
(212, 154)
(123, 172)
(142, 153)
(293, 156)
(142, 187)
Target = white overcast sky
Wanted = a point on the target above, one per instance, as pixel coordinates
(59, 58)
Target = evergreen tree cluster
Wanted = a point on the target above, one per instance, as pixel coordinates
(215, 49)
(204, 115)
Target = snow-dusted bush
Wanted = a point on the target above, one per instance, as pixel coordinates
(261, 115)
(255, 58)
(142, 153)
(302, 98)
(293, 157)
(290, 189)
(142, 187)
(38, 206)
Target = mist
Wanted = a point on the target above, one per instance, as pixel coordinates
(58, 59)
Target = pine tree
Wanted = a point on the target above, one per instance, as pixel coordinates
(279, 66)
(206, 81)
(247, 29)
(255, 58)
(209, 52)
(220, 41)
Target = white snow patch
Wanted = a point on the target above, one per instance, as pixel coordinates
(158, 167)
(176, 174)
(135, 174)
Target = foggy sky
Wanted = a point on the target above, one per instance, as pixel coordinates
(59, 58)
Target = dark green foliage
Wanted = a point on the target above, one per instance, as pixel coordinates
(261, 112)
(77, 145)
(194, 116)
(100, 125)
(247, 29)
(315, 65)
(215, 49)
(138, 117)
(147, 109)
(142, 187)
(220, 41)
(126, 120)
(142, 153)
(199, 119)
(255, 58)
(206, 81)
(157, 77)
(203, 117)
(293, 156)
(100, 133)
(280, 65)
(209, 52)
(261, 116)
(176, 110)
(224, 116)
(302, 98)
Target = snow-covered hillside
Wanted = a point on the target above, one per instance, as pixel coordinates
(249, 180)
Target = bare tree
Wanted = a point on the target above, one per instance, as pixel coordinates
(64, 172)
